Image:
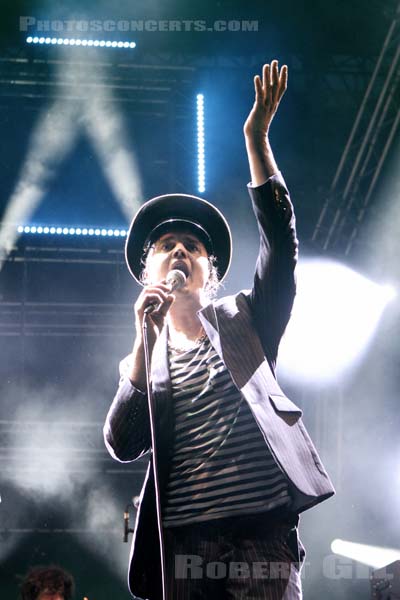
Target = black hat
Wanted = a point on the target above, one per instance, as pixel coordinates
(177, 211)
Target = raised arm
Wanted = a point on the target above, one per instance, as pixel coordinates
(268, 94)
(273, 292)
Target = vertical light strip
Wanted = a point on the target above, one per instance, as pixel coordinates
(201, 170)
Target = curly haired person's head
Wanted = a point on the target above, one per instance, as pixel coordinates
(47, 583)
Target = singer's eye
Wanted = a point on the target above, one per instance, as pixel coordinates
(192, 246)
(165, 246)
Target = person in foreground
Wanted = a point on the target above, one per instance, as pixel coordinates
(232, 464)
(47, 583)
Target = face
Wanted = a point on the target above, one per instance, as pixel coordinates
(50, 596)
(179, 250)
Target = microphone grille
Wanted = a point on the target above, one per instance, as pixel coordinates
(176, 278)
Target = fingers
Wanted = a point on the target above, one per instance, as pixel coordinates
(156, 295)
(165, 306)
(283, 78)
(269, 89)
(258, 86)
(274, 82)
(266, 72)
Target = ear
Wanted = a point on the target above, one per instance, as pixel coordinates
(144, 276)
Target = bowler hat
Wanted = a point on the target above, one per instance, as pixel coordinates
(177, 211)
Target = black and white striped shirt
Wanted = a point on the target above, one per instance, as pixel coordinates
(221, 465)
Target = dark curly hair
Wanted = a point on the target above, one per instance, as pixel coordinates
(51, 579)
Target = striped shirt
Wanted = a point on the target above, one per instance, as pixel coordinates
(221, 464)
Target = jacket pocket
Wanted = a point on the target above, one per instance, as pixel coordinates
(283, 404)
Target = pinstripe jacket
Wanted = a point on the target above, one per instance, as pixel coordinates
(245, 330)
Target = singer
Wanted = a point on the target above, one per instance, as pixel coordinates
(232, 464)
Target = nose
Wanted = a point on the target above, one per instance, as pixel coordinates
(179, 250)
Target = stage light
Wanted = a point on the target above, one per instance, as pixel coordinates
(80, 231)
(201, 176)
(80, 42)
(373, 556)
(52, 139)
(105, 125)
(335, 315)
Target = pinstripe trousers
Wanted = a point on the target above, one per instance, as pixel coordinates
(235, 558)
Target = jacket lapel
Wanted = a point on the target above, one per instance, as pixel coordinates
(162, 400)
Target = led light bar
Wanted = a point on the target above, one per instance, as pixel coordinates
(201, 170)
(83, 231)
(78, 42)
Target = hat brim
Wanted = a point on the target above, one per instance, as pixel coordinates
(178, 206)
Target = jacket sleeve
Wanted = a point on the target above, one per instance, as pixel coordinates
(271, 298)
(127, 426)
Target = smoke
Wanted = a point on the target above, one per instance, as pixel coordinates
(55, 465)
(48, 444)
(106, 129)
(86, 103)
(101, 518)
(50, 142)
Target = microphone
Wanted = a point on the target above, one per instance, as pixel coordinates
(126, 523)
(176, 279)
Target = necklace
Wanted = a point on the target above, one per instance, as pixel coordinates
(187, 344)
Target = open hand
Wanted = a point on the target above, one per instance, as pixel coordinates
(269, 92)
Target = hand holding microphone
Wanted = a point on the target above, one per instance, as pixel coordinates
(176, 279)
(151, 308)
(155, 301)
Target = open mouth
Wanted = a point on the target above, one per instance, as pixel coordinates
(181, 266)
